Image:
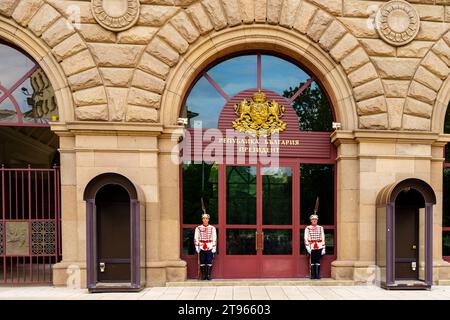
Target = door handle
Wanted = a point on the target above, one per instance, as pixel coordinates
(262, 240)
(413, 266)
(256, 241)
(414, 247)
(102, 266)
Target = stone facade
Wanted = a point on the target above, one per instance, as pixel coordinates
(120, 92)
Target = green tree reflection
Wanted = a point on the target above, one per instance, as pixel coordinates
(312, 108)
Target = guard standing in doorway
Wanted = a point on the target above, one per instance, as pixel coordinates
(315, 245)
(205, 240)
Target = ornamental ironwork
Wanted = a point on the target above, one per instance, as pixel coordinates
(43, 237)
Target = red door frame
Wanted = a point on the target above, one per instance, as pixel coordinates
(300, 262)
(445, 229)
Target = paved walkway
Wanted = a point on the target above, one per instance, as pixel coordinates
(230, 293)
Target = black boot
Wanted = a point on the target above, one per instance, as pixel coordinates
(313, 272)
(208, 272)
(203, 272)
(317, 270)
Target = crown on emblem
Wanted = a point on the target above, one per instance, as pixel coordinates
(259, 96)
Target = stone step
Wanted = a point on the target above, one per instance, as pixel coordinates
(262, 282)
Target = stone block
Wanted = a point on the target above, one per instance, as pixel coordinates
(170, 35)
(43, 19)
(154, 15)
(77, 63)
(85, 79)
(163, 52)
(116, 55)
(25, 10)
(141, 114)
(185, 27)
(137, 35)
(69, 47)
(215, 12)
(396, 68)
(232, 11)
(58, 32)
(154, 66)
(91, 96)
(200, 18)
(148, 82)
(98, 112)
(117, 77)
(417, 108)
(144, 98)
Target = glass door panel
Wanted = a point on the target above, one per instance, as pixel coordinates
(241, 195)
(241, 241)
(277, 195)
(277, 241)
(241, 210)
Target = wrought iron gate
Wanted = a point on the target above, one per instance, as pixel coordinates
(30, 241)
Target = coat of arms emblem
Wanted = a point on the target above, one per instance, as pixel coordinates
(259, 117)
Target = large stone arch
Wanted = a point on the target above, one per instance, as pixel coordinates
(429, 91)
(203, 23)
(53, 41)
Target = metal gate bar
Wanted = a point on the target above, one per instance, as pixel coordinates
(30, 237)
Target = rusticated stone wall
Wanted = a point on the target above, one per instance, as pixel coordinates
(121, 76)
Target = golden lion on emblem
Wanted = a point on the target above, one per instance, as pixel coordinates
(259, 117)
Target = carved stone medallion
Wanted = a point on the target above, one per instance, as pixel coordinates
(116, 15)
(397, 22)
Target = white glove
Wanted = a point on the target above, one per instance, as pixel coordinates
(213, 250)
(323, 251)
(308, 249)
(197, 249)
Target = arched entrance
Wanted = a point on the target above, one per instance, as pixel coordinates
(257, 151)
(113, 234)
(404, 234)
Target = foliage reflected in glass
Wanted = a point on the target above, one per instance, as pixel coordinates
(317, 180)
(277, 195)
(200, 180)
(446, 198)
(241, 195)
(312, 107)
(446, 243)
(277, 241)
(241, 241)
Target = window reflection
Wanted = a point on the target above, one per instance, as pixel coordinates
(200, 180)
(26, 95)
(205, 102)
(241, 195)
(280, 75)
(317, 180)
(236, 74)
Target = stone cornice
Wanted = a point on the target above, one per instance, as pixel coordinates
(385, 136)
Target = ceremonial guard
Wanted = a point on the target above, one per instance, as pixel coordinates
(315, 245)
(205, 241)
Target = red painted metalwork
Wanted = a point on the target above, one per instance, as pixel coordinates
(313, 148)
(299, 91)
(445, 229)
(39, 208)
(259, 71)
(8, 93)
(216, 86)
